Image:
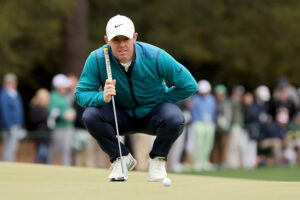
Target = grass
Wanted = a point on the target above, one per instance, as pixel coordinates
(35, 182)
(285, 173)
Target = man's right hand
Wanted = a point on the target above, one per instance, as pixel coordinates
(109, 90)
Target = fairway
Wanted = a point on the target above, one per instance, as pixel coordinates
(36, 182)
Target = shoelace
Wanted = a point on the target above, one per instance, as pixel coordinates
(159, 163)
(116, 165)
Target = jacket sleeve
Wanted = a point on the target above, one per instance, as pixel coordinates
(11, 117)
(182, 81)
(4, 109)
(87, 92)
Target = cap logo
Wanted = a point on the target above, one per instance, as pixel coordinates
(116, 26)
(119, 25)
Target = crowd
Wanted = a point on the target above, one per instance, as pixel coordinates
(237, 129)
(54, 123)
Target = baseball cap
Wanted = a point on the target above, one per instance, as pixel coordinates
(220, 89)
(61, 81)
(204, 86)
(238, 89)
(119, 25)
(10, 77)
(263, 93)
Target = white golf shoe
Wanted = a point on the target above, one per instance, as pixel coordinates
(116, 174)
(157, 169)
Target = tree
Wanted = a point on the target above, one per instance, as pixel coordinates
(30, 39)
(75, 38)
(229, 41)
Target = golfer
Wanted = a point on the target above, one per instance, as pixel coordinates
(144, 102)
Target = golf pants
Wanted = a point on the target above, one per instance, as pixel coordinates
(11, 142)
(166, 121)
(61, 141)
(204, 140)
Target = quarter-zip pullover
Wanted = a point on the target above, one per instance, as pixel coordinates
(141, 88)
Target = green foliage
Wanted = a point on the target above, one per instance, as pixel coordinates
(30, 38)
(229, 41)
(224, 41)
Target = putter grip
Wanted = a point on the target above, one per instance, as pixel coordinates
(107, 62)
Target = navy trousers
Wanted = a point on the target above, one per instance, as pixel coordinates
(166, 121)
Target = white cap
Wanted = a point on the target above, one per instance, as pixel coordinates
(263, 93)
(61, 81)
(10, 77)
(204, 86)
(119, 25)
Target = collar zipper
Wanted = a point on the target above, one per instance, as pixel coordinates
(128, 76)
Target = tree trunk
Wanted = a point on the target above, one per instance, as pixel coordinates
(75, 38)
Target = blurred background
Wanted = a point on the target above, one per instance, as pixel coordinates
(233, 42)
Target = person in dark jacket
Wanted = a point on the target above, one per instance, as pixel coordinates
(283, 100)
(38, 117)
(223, 119)
(274, 134)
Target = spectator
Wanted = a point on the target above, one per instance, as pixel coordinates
(283, 100)
(251, 112)
(62, 136)
(262, 94)
(274, 134)
(80, 135)
(292, 141)
(292, 93)
(177, 151)
(38, 116)
(86, 152)
(236, 145)
(223, 122)
(203, 122)
(11, 117)
(70, 94)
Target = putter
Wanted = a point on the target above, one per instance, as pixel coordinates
(109, 76)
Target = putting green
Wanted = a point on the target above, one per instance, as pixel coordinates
(42, 182)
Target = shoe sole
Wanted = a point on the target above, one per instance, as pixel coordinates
(120, 179)
(155, 180)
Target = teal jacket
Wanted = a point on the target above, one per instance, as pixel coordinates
(142, 87)
(60, 102)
